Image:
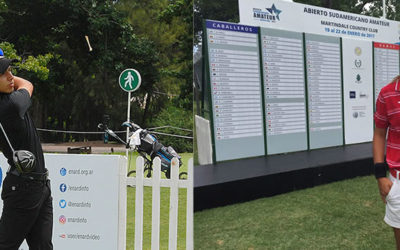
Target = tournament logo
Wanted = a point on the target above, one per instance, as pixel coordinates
(355, 115)
(63, 187)
(267, 15)
(62, 203)
(357, 51)
(62, 219)
(63, 171)
(357, 63)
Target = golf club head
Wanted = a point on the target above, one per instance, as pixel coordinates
(24, 161)
(101, 126)
(127, 124)
(130, 125)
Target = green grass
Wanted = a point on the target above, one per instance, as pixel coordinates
(342, 215)
(164, 214)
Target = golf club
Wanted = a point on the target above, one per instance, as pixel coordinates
(24, 160)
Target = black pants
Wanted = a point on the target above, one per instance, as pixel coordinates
(27, 214)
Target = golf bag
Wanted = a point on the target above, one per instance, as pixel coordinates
(152, 147)
(147, 145)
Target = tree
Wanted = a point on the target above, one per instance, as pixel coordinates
(81, 85)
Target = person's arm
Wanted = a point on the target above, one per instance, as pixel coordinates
(378, 143)
(20, 83)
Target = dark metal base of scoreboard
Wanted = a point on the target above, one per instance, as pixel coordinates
(248, 179)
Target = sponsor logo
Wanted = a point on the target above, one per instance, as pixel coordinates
(355, 115)
(358, 51)
(358, 78)
(63, 236)
(62, 219)
(63, 171)
(363, 95)
(267, 15)
(63, 187)
(62, 203)
(357, 63)
(352, 95)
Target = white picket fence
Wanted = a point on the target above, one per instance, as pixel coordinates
(174, 183)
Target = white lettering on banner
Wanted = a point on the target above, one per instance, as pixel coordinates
(232, 27)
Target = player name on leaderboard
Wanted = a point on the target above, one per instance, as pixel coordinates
(235, 81)
(284, 86)
(324, 91)
(386, 61)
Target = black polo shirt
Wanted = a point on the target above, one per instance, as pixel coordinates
(19, 127)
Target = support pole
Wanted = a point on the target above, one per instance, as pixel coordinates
(128, 117)
(384, 9)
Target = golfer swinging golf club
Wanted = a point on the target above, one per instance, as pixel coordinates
(387, 121)
(27, 203)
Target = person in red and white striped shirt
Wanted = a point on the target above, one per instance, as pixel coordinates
(387, 122)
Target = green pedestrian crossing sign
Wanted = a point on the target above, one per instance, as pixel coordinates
(129, 80)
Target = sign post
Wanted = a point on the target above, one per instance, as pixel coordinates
(129, 81)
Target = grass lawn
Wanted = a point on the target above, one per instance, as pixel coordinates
(342, 215)
(164, 230)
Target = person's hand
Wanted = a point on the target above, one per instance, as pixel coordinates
(384, 184)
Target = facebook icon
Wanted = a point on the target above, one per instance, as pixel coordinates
(63, 187)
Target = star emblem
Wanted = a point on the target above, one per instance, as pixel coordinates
(274, 10)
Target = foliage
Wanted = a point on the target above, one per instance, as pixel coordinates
(35, 65)
(176, 117)
(216, 10)
(75, 87)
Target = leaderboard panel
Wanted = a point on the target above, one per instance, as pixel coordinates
(324, 88)
(284, 90)
(236, 96)
(386, 65)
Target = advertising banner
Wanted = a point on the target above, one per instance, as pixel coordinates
(284, 87)
(236, 96)
(357, 90)
(85, 191)
(311, 19)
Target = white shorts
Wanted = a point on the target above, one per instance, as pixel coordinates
(392, 216)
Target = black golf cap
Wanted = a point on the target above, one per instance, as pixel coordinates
(5, 62)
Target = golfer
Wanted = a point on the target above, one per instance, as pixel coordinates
(387, 121)
(27, 203)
